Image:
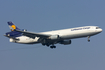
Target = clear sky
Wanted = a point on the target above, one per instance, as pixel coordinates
(46, 15)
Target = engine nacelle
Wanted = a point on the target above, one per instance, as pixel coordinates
(66, 42)
(54, 37)
(12, 40)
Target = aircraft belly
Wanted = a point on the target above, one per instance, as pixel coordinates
(27, 40)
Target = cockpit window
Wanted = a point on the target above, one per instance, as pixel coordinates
(97, 28)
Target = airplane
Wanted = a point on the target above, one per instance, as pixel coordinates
(50, 38)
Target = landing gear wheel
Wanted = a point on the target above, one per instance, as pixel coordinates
(52, 47)
(43, 44)
(47, 45)
(88, 39)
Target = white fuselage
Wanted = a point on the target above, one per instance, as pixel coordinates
(64, 34)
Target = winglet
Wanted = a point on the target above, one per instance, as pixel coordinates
(12, 26)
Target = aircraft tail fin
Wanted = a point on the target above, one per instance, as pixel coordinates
(13, 33)
(12, 26)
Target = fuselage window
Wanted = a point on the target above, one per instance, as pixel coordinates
(97, 28)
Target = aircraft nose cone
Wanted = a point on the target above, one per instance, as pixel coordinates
(100, 30)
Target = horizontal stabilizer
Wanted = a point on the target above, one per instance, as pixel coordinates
(11, 37)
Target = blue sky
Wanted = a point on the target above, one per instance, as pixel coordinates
(46, 15)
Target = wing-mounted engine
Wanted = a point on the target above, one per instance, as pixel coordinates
(50, 40)
(65, 42)
(54, 37)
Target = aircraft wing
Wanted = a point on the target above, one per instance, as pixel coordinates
(32, 34)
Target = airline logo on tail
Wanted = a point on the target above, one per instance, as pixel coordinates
(12, 26)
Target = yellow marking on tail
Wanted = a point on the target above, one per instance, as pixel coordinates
(13, 26)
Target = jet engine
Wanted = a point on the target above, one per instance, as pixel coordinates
(66, 42)
(54, 37)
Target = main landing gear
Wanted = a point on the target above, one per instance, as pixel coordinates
(52, 46)
(49, 45)
(88, 39)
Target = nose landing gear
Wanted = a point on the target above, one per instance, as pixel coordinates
(88, 38)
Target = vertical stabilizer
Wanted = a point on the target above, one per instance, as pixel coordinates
(13, 33)
(12, 26)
